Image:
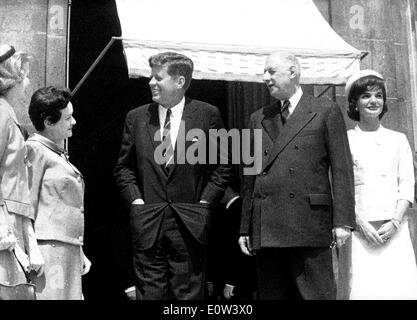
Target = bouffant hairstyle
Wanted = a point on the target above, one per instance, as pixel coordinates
(359, 87)
(12, 67)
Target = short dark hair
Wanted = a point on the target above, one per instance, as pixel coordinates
(46, 104)
(359, 87)
(177, 65)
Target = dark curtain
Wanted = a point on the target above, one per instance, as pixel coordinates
(100, 106)
(244, 98)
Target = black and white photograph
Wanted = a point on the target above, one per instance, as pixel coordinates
(209, 156)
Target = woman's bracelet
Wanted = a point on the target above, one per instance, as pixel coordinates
(396, 223)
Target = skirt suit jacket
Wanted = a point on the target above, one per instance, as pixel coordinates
(292, 202)
(57, 192)
(14, 191)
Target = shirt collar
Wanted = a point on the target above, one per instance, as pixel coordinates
(380, 128)
(176, 110)
(49, 144)
(55, 148)
(295, 99)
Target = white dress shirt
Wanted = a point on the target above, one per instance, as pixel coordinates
(176, 117)
(296, 97)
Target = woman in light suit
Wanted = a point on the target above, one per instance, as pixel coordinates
(16, 229)
(383, 262)
(57, 194)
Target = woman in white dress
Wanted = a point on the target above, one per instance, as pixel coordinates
(383, 260)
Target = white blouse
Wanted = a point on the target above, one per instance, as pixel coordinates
(383, 169)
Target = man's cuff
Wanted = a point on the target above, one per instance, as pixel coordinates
(130, 289)
(231, 201)
(346, 227)
(212, 193)
(138, 201)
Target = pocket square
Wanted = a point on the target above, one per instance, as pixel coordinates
(195, 139)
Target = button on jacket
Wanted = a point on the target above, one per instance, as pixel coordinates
(14, 192)
(57, 192)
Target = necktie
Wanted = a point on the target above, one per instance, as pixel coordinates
(285, 112)
(166, 137)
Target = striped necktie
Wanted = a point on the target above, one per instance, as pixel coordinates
(285, 112)
(166, 138)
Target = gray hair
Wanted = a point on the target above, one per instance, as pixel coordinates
(291, 61)
(294, 63)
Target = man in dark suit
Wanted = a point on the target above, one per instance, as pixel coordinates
(169, 189)
(303, 197)
(231, 274)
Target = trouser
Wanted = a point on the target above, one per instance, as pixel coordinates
(295, 273)
(175, 266)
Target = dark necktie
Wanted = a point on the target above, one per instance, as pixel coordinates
(285, 111)
(166, 137)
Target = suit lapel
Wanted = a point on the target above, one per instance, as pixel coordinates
(188, 122)
(153, 123)
(271, 120)
(301, 116)
(153, 126)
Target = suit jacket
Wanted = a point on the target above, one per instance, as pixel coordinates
(139, 176)
(305, 187)
(226, 262)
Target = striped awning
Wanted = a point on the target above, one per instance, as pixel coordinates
(229, 40)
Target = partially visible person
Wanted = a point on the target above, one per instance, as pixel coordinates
(238, 278)
(415, 174)
(16, 229)
(383, 261)
(231, 273)
(57, 196)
